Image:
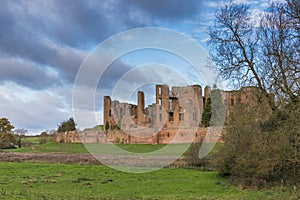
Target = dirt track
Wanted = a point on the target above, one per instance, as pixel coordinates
(48, 158)
(87, 159)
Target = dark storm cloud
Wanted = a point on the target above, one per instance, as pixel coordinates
(79, 23)
(171, 9)
(26, 74)
(49, 33)
(17, 37)
(76, 23)
(112, 74)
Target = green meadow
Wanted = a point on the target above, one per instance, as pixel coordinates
(81, 148)
(72, 181)
(72, 148)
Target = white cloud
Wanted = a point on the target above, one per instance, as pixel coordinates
(215, 4)
(31, 109)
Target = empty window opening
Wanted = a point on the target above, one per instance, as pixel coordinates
(171, 105)
(181, 116)
(239, 100)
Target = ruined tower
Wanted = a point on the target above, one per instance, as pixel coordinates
(198, 105)
(162, 104)
(141, 106)
(106, 110)
(162, 96)
(189, 109)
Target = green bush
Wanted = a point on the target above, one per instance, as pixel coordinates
(26, 143)
(7, 140)
(44, 140)
(117, 139)
(257, 153)
(192, 157)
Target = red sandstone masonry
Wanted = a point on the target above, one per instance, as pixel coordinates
(162, 137)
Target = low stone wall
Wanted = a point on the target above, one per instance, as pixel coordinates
(167, 136)
(80, 137)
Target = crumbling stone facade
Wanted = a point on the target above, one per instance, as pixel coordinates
(174, 108)
(175, 116)
(167, 136)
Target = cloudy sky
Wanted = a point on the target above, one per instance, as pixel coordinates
(44, 43)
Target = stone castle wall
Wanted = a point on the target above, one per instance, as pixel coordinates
(175, 136)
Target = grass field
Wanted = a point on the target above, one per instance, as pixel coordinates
(52, 147)
(73, 181)
(33, 140)
(63, 181)
(81, 148)
(100, 148)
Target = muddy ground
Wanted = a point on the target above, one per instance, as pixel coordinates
(62, 158)
(48, 158)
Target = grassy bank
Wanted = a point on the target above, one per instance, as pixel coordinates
(101, 148)
(81, 148)
(51, 147)
(62, 181)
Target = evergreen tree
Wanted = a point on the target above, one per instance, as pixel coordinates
(214, 110)
(68, 125)
(106, 126)
(206, 116)
(218, 110)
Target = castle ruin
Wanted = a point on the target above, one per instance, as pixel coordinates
(176, 111)
(173, 108)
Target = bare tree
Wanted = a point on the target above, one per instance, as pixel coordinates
(280, 50)
(293, 11)
(234, 45)
(266, 56)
